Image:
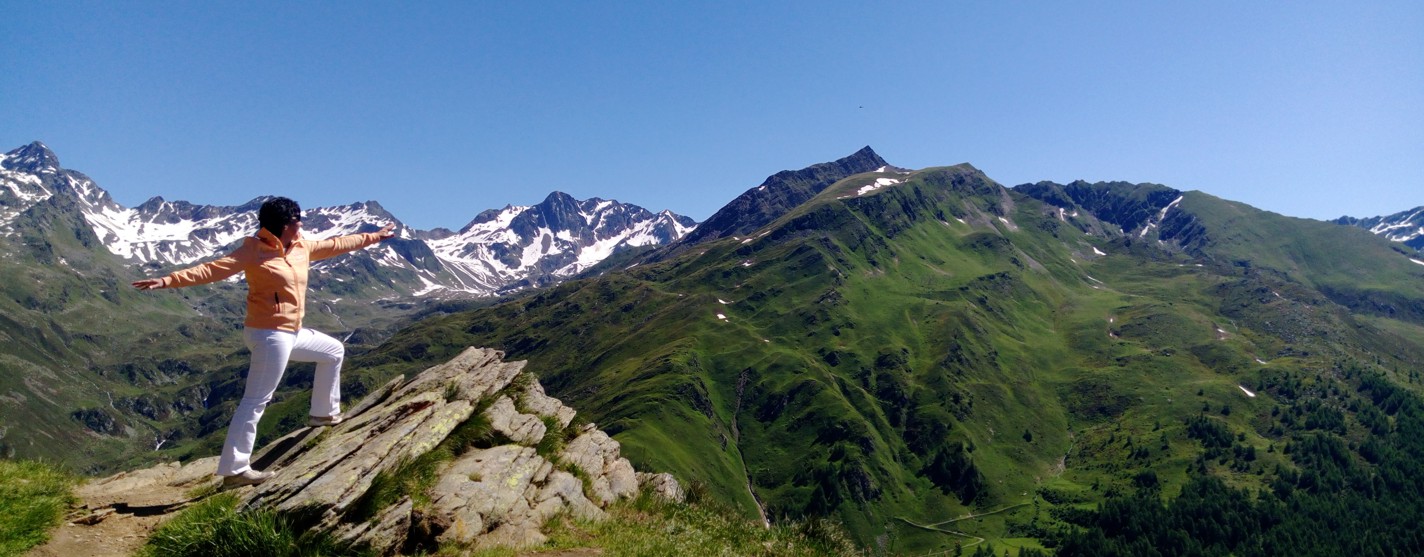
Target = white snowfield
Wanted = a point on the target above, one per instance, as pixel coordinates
(128, 234)
(879, 183)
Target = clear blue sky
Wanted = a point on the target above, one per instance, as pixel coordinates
(442, 109)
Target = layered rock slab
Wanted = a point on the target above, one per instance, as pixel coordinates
(500, 494)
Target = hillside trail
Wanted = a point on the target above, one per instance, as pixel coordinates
(114, 516)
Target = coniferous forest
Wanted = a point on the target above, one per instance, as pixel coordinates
(1333, 503)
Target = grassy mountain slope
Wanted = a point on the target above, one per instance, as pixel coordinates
(945, 346)
(1348, 266)
(68, 310)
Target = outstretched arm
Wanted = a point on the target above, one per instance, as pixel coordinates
(332, 247)
(211, 271)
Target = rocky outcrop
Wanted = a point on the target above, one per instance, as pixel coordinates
(526, 461)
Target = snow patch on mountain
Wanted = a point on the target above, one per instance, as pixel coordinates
(1406, 227)
(1387, 228)
(1161, 216)
(148, 237)
(879, 183)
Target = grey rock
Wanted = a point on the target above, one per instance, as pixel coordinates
(566, 491)
(622, 478)
(594, 452)
(385, 534)
(534, 400)
(524, 429)
(414, 418)
(486, 488)
(663, 485)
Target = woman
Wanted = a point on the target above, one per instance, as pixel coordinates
(275, 262)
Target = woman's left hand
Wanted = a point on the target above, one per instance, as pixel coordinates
(388, 232)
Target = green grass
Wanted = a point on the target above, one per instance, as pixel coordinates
(214, 528)
(649, 526)
(33, 498)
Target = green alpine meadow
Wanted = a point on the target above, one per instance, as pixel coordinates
(940, 362)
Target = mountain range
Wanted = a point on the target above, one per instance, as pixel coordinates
(927, 355)
(499, 251)
(906, 348)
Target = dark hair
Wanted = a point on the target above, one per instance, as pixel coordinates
(277, 213)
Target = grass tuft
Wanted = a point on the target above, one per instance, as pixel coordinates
(650, 525)
(553, 442)
(33, 498)
(214, 528)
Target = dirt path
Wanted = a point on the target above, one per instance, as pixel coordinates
(938, 526)
(115, 515)
(117, 536)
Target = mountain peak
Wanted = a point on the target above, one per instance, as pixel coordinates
(865, 155)
(32, 158)
(559, 197)
(780, 193)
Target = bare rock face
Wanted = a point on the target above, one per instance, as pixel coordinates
(663, 485)
(534, 399)
(500, 494)
(503, 495)
(596, 454)
(525, 429)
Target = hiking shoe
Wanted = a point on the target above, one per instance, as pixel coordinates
(322, 421)
(247, 477)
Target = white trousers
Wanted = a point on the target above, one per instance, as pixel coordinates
(271, 350)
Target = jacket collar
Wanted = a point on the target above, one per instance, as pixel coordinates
(271, 242)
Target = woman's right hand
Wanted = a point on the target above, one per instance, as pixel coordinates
(148, 284)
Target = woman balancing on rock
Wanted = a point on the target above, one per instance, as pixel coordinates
(275, 261)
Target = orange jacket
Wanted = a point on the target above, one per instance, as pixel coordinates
(276, 281)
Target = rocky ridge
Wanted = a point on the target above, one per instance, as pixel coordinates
(1406, 227)
(527, 460)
